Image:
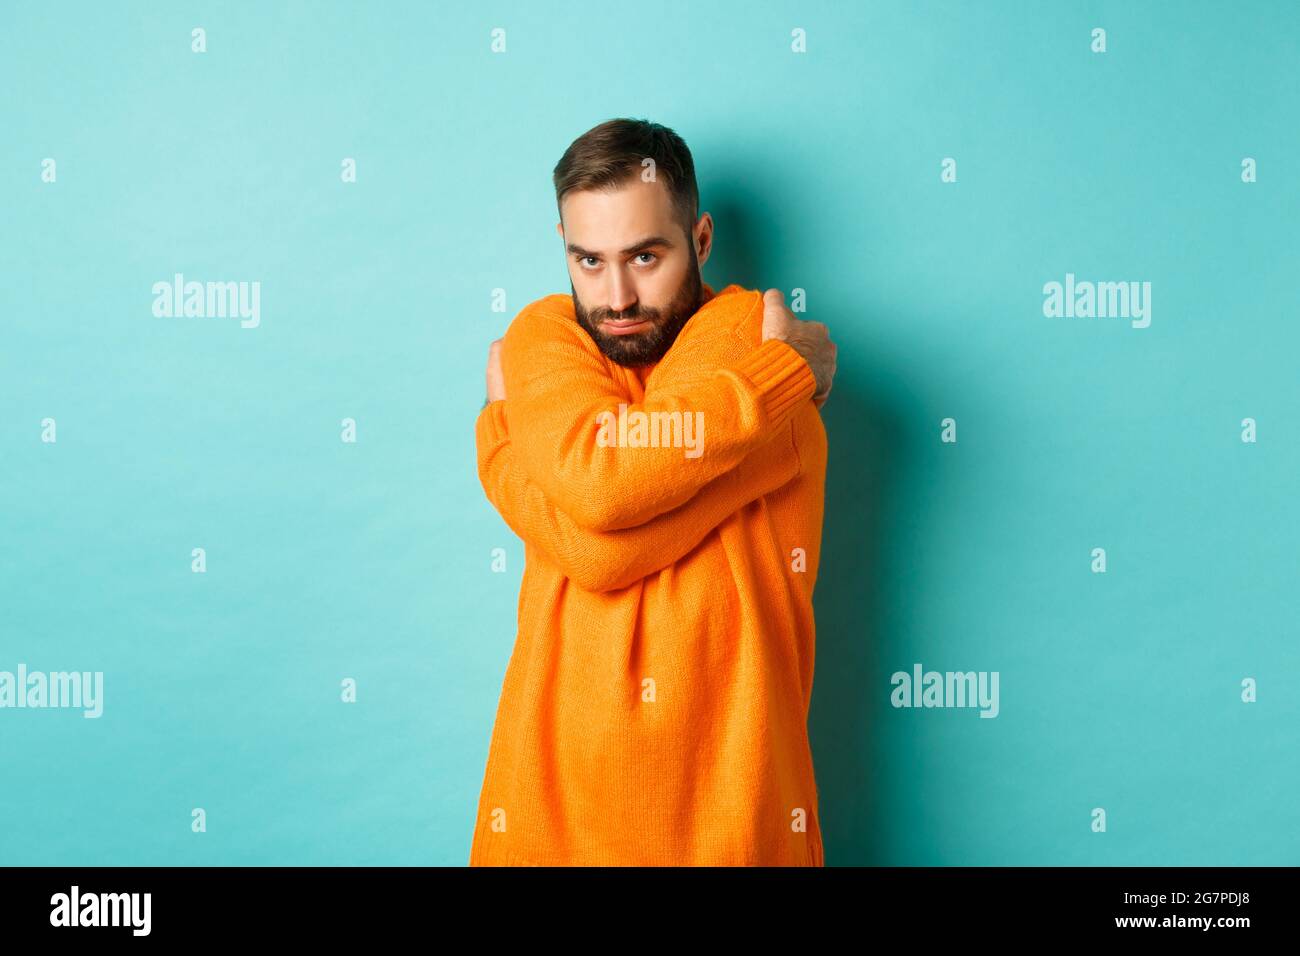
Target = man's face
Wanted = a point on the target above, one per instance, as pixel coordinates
(633, 269)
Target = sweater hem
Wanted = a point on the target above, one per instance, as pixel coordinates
(508, 857)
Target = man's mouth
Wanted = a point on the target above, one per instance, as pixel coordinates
(625, 326)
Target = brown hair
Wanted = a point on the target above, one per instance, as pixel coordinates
(605, 156)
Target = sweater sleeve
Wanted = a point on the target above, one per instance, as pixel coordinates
(558, 388)
(610, 560)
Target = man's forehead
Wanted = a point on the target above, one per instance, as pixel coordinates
(614, 219)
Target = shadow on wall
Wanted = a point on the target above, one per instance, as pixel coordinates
(850, 683)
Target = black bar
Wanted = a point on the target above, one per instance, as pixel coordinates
(369, 904)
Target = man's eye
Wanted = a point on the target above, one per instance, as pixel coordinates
(650, 254)
(583, 259)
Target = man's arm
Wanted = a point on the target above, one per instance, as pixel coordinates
(609, 560)
(559, 383)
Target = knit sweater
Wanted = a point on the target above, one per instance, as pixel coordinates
(654, 709)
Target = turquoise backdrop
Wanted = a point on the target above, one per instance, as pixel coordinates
(824, 171)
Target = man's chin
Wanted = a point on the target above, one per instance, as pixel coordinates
(627, 349)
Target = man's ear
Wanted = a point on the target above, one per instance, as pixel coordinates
(705, 243)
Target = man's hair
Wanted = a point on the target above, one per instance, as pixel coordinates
(605, 157)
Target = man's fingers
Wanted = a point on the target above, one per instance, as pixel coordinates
(775, 315)
(496, 385)
(820, 400)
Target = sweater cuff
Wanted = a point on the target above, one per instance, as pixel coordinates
(780, 376)
(491, 424)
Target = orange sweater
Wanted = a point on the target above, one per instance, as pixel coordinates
(654, 710)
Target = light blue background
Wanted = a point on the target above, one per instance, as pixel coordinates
(328, 560)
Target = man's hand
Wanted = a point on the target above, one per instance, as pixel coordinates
(496, 381)
(810, 339)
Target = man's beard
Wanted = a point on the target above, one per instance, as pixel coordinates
(649, 346)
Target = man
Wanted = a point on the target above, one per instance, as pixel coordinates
(659, 449)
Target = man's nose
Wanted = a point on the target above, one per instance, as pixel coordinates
(622, 293)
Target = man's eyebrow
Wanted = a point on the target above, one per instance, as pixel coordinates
(577, 250)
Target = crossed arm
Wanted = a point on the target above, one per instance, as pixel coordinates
(558, 384)
(609, 560)
(608, 518)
